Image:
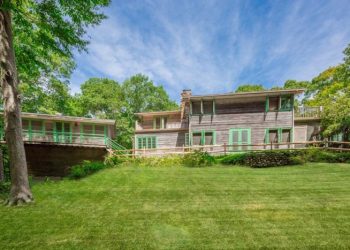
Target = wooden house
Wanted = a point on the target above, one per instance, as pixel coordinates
(236, 119)
(58, 129)
(54, 143)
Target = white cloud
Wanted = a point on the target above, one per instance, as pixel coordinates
(215, 46)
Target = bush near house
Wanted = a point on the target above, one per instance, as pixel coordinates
(276, 158)
(198, 159)
(85, 168)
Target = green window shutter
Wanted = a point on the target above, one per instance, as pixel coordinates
(187, 139)
(202, 134)
(154, 122)
(214, 137)
(279, 135)
(267, 104)
(267, 139)
(155, 142)
(214, 112)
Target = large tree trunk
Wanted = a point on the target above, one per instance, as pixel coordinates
(20, 190)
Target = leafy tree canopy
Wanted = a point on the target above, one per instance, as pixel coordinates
(249, 88)
(100, 97)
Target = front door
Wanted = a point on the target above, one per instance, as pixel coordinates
(63, 132)
(240, 139)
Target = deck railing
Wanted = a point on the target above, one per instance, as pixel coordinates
(308, 112)
(62, 137)
(227, 149)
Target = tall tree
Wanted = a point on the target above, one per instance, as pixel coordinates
(250, 88)
(100, 97)
(331, 89)
(46, 32)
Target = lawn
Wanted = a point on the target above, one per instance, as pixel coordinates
(187, 208)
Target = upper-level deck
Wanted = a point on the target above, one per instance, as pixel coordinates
(307, 113)
(65, 130)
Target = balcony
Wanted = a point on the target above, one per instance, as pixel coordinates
(305, 112)
(63, 138)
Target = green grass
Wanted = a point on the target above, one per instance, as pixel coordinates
(187, 208)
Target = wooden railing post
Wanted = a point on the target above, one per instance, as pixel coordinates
(270, 145)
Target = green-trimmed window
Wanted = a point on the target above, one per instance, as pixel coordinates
(239, 138)
(337, 137)
(160, 122)
(206, 107)
(203, 137)
(278, 135)
(187, 139)
(147, 142)
(279, 103)
(286, 103)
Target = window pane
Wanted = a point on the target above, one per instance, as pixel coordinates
(88, 129)
(37, 125)
(209, 138)
(139, 142)
(207, 107)
(196, 108)
(245, 136)
(273, 136)
(196, 139)
(273, 103)
(234, 137)
(25, 124)
(286, 103)
(286, 135)
(99, 129)
(149, 142)
(187, 139)
(157, 121)
(154, 145)
(66, 127)
(165, 120)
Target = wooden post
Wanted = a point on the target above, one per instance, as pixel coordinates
(2, 174)
(225, 149)
(270, 145)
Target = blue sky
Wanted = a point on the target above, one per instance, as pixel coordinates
(215, 46)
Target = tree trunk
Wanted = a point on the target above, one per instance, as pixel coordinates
(20, 190)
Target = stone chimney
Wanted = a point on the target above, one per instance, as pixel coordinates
(185, 103)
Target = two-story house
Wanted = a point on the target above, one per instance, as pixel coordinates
(235, 119)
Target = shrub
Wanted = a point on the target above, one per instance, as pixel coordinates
(84, 169)
(5, 187)
(234, 159)
(198, 159)
(164, 161)
(269, 158)
(114, 160)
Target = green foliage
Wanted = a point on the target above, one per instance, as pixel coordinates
(84, 169)
(47, 32)
(320, 155)
(6, 162)
(234, 159)
(250, 88)
(331, 89)
(270, 158)
(141, 95)
(100, 97)
(275, 158)
(198, 159)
